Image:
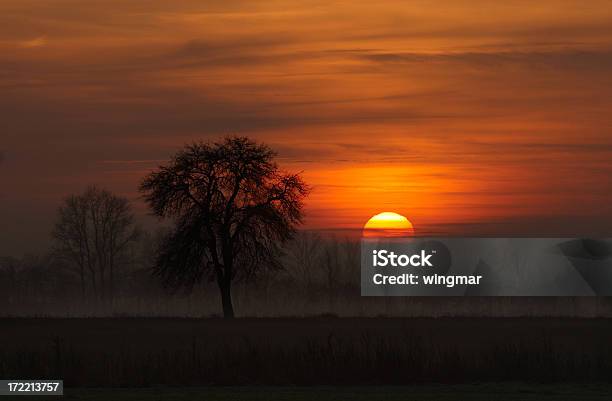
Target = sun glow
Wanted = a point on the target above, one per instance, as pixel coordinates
(388, 224)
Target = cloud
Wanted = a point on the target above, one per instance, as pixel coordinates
(561, 59)
(32, 43)
(512, 99)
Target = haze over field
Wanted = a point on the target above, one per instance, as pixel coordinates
(468, 117)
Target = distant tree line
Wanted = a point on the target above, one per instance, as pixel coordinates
(320, 275)
(325, 281)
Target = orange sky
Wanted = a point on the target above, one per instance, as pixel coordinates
(468, 117)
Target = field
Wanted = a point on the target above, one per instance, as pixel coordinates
(316, 351)
(466, 392)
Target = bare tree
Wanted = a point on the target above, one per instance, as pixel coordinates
(9, 267)
(351, 250)
(303, 254)
(93, 231)
(233, 210)
(331, 267)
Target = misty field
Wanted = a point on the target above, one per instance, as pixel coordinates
(143, 352)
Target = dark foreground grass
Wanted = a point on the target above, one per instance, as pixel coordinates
(465, 392)
(129, 353)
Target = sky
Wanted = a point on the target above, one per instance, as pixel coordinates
(467, 117)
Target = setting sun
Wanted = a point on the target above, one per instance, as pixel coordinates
(388, 224)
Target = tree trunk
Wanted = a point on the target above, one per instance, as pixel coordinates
(111, 284)
(94, 286)
(226, 299)
(225, 283)
(82, 274)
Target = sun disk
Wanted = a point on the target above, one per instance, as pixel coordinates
(388, 224)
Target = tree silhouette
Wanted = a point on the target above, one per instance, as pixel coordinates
(233, 209)
(93, 231)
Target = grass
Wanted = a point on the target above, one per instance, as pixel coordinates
(464, 392)
(305, 352)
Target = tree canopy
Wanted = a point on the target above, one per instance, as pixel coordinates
(233, 208)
